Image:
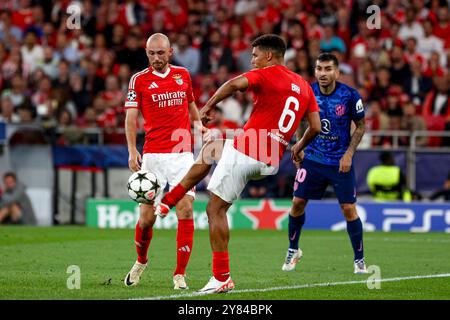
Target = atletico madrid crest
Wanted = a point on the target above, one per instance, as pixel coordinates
(178, 79)
(340, 110)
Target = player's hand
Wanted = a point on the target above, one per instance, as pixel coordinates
(205, 132)
(206, 114)
(345, 163)
(297, 164)
(297, 155)
(134, 160)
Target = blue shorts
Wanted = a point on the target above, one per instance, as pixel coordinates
(312, 180)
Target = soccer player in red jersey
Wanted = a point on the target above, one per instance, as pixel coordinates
(281, 99)
(163, 94)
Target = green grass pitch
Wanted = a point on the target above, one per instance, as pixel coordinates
(34, 262)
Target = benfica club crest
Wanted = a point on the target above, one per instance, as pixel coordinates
(340, 110)
(178, 79)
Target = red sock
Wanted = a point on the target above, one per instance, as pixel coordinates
(172, 197)
(185, 239)
(142, 238)
(221, 265)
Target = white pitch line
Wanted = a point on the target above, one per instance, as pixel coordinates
(312, 285)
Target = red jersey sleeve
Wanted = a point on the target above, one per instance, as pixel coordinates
(190, 91)
(133, 98)
(312, 105)
(254, 79)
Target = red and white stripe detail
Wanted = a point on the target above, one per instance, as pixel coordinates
(134, 77)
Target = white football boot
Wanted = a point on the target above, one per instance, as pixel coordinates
(360, 266)
(179, 282)
(216, 286)
(133, 277)
(292, 257)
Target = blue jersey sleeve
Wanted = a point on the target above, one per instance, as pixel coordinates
(356, 107)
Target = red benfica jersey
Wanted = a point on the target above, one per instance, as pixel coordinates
(163, 101)
(280, 100)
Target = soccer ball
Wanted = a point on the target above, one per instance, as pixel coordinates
(143, 186)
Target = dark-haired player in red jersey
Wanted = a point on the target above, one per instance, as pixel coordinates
(281, 99)
(163, 94)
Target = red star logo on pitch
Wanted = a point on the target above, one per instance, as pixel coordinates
(266, 215)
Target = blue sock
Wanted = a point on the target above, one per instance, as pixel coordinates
(295, 228)
(355, 232)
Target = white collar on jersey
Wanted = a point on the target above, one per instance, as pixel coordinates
(162, 75)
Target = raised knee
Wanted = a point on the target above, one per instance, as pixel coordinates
(298, 206)
(349, 211)
(185, 211)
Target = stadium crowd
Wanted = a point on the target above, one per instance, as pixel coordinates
(66, 77)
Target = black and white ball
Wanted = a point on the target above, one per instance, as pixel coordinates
(143, 186)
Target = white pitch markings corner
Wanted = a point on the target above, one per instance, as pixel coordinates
(302, 286)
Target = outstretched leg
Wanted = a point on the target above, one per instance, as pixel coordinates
(211, 152)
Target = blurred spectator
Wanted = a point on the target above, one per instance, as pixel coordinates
(417, 86)
(411, 28)
(442, 28)
(382, 84)
(93, 84)
(437, 101)
(9, 33)
(186, 55)
(17, 90)
(386, 181)
(376, 120)
(62, 81)
(413, 122)
(215, 54)
(443, 193)
(400, 69)
(206, 90)
(331, 42)
(32, 52)
(15, 205)
(50, 63)
(78, 93)
(13, 64)
(133, 54)
(431, 43)
(222, 128)
(69, 133)
(7, 113)
(434, 66)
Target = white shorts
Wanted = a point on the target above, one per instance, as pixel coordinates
(233, 171)
(170, 168)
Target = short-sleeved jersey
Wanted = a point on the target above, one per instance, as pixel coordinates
(280, 100)
(337, 111)
(163, 101)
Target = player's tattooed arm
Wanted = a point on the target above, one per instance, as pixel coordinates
(346, 161)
